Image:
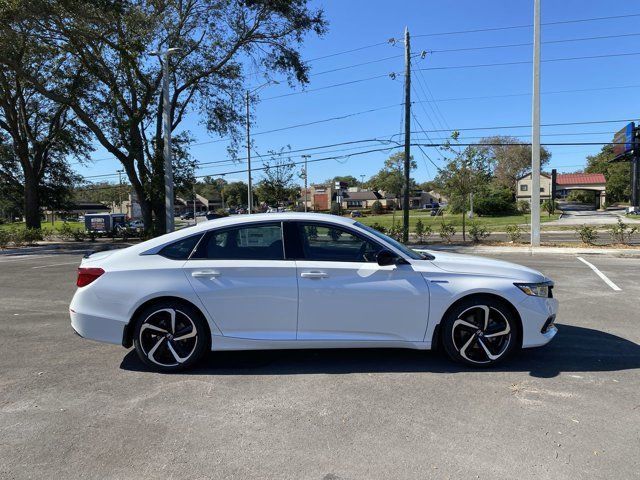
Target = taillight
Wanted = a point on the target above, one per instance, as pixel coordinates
(86, 275)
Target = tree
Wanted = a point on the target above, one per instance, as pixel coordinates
(235, 194)
(40, 134)
(350, 180)
(618, 175)
(110, 44)
(278, 186)
(509, 159)
(390, 178)
(464, 174)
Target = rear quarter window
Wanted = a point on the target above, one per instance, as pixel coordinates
(181, 249)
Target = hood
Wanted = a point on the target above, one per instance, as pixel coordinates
(470, 264)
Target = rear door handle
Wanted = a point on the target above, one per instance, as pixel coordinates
(314, 274)
(205, 274)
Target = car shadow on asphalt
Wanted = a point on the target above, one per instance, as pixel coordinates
(575, 349)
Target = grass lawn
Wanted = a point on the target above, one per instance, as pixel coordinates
(493, 224)
(56, 225)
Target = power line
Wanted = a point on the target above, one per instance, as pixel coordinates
(527, 62)
(529, 25)
(375, 77)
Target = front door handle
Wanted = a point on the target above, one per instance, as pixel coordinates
(205, 274)
(314, 274)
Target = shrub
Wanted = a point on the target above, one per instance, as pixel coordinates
(376, 208)
(335, 208)
(17, 236)
(5, 238)
(514, 232)
(32, 235)
(422, 232)
(92, 234)
(523, 206)
(587, 234)
(549, 206)
(380, 228)
(478, 232)
(65, 232)
(447, 230)
(78, 234)
(47, 233)
(395, 232)
(622, 232)
(494, 201)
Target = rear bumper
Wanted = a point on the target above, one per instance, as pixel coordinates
(96, 328)
(535, 312)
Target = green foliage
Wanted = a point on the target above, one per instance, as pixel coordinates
(65, 232)
(514, 232)
(581, 196)
(422, 232)
(447, 231)
(549, 206)
(335, 208)
(32, 235)
(622, 232)
(5, 238)
(523, 206)
(78, 235)
(390, 178)
(478, 232)
(587, 233)
(376, 208)
(617, 174)
(92, 234)
(494, 200)
(380, 228)
(47, 233)
(396, 232)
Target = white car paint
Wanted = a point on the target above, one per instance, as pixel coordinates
(298, 303)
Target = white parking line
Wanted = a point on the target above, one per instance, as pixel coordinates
(57, 264)
(604, 278)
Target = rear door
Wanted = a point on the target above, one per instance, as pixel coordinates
(345, 295)
(247, 286)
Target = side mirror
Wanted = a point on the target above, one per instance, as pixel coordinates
(387, 257)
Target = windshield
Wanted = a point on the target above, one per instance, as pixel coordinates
(403, 248)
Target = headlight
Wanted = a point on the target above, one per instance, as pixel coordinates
(542, 289)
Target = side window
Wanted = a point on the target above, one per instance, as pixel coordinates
(524, 187)
(181, 249)
(251, 242)
(329, 243)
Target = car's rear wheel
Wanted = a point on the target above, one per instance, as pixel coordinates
(481, 331)
(170, 336)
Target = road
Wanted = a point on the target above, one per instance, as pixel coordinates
(71, 408)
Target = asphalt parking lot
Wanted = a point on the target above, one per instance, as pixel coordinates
(72, 408)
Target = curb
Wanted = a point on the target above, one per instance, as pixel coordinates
(532, 251)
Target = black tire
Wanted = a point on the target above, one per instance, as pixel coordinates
(170, 348)
(481, 331)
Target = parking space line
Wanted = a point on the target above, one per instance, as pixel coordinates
(58, 264)
(604, 278)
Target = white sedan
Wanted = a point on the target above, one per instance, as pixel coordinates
(303, 280)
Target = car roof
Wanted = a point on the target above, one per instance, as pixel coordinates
(151, 245)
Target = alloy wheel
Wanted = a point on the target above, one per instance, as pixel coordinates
(168, 337)
(481, 334)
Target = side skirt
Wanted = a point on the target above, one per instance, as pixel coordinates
(220, 343)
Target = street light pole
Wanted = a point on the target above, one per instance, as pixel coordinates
(535, 130)
(166, 127)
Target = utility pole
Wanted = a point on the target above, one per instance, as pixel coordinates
(306, 176)
(249, 187)
(535, 130)
(407, 134)
(120, 172)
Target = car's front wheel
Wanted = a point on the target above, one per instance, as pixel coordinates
(481, 331)
(170, 336)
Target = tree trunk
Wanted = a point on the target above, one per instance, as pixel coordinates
(31, 202)
(464, 235)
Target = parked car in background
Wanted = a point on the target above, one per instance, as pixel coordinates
(187, 216)
(356, 214)
(305, 280)
(213, 215)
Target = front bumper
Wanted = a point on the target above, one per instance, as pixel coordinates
(535, 312)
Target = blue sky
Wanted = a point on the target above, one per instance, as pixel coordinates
(358, 23)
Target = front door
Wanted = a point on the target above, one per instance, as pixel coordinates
(245, 283)
(345, 295)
